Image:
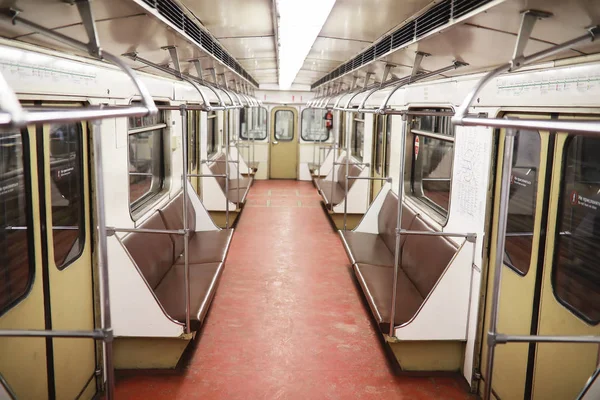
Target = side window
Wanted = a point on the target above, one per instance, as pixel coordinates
(313, 125)
(522, 201)
(253, 123)
(284, 125)
(66, 192)
(193, 121)
(146, 158)
(358, 136)
(212, 145)
(576, 272)
(379, 143)
(431, 145)
(16, 271)
(342, 131)
(388, 148)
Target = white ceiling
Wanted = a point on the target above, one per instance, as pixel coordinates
(245, 28)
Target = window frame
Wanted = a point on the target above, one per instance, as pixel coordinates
(302, 127)
(137, 207)
(293, 126)
(82, 219)
(354, 149)
(243, 132)
(438, 213)
(28, 192)
(193, 120)
(558, 229)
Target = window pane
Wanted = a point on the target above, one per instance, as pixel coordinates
(211, 132)
(577, 272)
(313, 125)
(358, 137)
(15, 271)
(431, 161)
(253, 123)
(379, 144)
(284, 125)
(192, 120)
(388, 139)
(523, 195)
(146, 161)
(66, 192)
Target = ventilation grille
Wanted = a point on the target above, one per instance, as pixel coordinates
(437, 16)
(175, 15)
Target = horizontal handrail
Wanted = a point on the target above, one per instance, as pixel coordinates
(207, 175)
(218, 161)
(95, 334)
(469, 236)
(56, 228)
(351, 163)
(112, 230)
(502, 338)
(370, 178)
(433, 135)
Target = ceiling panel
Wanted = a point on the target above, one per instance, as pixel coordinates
(233, 18)
(250, 47)
(334, 49)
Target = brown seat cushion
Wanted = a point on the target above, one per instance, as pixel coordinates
(243, 183)
(376, 282)
(152, 252)
(367, 248)
(208, 247)
(235, 196)
(424, 258)
(203, 283)
(172, 215)
(339, 192)
(388, 218)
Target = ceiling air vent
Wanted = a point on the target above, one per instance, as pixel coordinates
(440, 15)
(175, 15)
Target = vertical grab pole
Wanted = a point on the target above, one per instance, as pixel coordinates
(186, 236)
(397, 249)
(102, 262)
(509, 141)
(226, 174)
(346, 176)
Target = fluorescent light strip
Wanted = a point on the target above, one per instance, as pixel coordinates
(300, 22)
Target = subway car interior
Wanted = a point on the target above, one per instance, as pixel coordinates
(300, 199)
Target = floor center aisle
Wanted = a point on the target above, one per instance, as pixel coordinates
(287, 321)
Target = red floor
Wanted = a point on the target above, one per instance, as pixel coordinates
(287, 321)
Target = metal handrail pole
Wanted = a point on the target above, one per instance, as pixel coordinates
(102, 261)
(112, 230)
(370, 178)
(186, 236)
(227, 180)
(397, 248)
(462, 111)
(97, 334)
(207, 175)
(503, 339)
(509, 141)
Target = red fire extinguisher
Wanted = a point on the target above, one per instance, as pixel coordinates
(328, 120)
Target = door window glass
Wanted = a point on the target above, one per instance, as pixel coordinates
(66, 192)
(284, 125)
(193, 117)
(388, 147)
(16, 272)
(379, 143)
(576, 273)
(523, 196)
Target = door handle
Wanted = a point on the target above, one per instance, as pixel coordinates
(275, 142)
